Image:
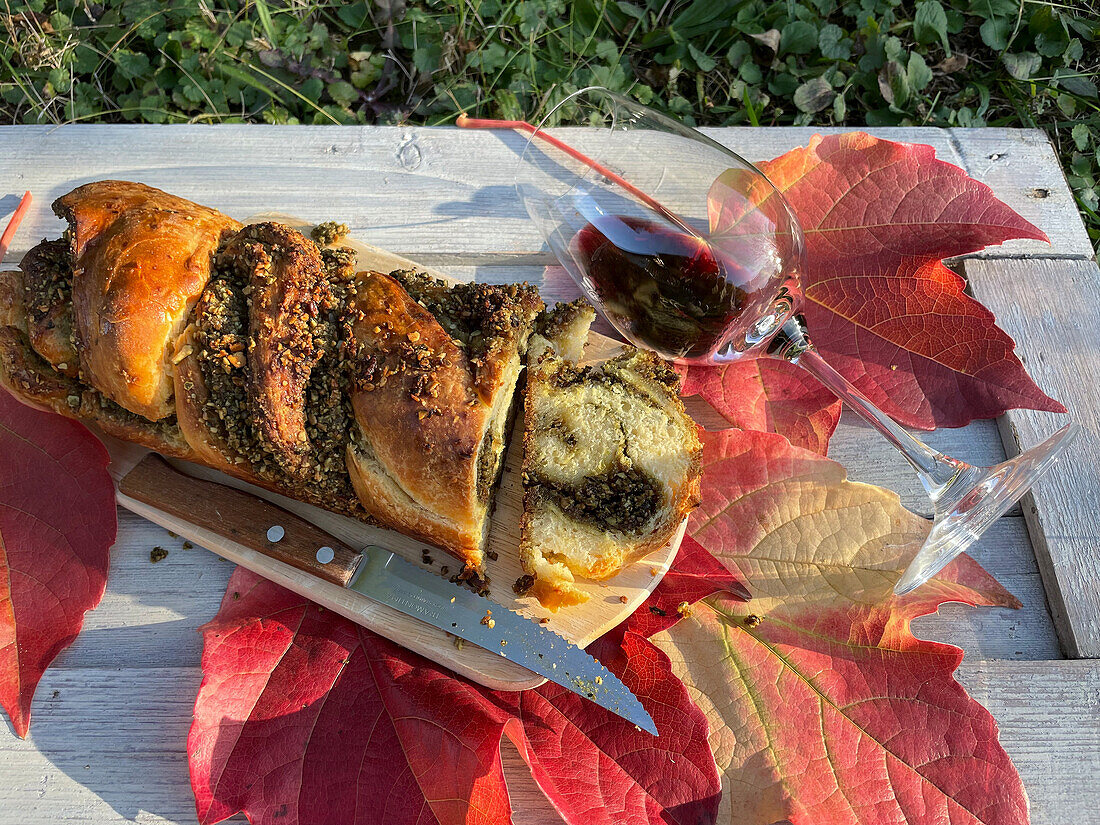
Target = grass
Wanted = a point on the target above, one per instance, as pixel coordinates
(709, 62)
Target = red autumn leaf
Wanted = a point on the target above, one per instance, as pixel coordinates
(769, 395)
(57, 524)
(795, 529)
(879, 217)
(305, 717)
(841, 716)
(823, 707)
(673, 776)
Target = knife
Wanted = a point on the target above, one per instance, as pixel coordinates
(382, 577)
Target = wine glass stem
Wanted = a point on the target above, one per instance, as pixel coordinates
(937, 471)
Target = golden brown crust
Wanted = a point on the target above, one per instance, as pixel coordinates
(391, 507)
(415, 405)
(140, 257)
(30, 379)
(243, 364)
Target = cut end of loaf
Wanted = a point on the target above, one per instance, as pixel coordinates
(611, 461)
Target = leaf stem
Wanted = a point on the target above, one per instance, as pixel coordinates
(13, 224)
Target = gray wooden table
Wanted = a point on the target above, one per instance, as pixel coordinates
(110, 718)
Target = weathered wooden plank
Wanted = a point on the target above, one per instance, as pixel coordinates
(1024, 171)
(109, 746)
(436, 194)
(1050, 308)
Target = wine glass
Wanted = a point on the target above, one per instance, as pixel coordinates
(691, 252)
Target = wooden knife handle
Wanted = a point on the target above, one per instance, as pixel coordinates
(243, 518)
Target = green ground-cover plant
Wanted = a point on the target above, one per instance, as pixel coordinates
(710, 62)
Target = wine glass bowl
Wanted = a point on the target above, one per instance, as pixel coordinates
(685, 276)
(691, 252)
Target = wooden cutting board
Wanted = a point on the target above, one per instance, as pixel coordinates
(581, 624)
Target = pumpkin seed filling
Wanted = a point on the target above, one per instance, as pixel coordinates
(476, 316)
(623, 498)
(327, 233)
(48, 281)
(223, 339)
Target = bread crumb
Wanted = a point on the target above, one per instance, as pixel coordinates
(157, 554)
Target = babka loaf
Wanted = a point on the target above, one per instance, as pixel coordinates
(611, 460)
(254, 351)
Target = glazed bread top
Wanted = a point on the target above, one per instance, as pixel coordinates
(434, 369)
(140, 259)
(413, 397)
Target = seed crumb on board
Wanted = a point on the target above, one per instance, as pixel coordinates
(157, 554)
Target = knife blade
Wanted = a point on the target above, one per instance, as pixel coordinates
(390, 579)
(380, 576)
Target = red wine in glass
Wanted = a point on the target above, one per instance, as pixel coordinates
(662, 287)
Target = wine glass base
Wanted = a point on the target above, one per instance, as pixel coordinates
(988, 492)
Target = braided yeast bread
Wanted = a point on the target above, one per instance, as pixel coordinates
(254, 351)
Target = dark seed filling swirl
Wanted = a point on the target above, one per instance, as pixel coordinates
(222, 338)
(223, 341)
(49, 279)
(623, 499)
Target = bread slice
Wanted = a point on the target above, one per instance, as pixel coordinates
(611, 460)
(434, 373)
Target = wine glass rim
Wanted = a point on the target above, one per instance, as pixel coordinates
(660, 117)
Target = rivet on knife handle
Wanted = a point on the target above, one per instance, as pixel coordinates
(243, 518)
